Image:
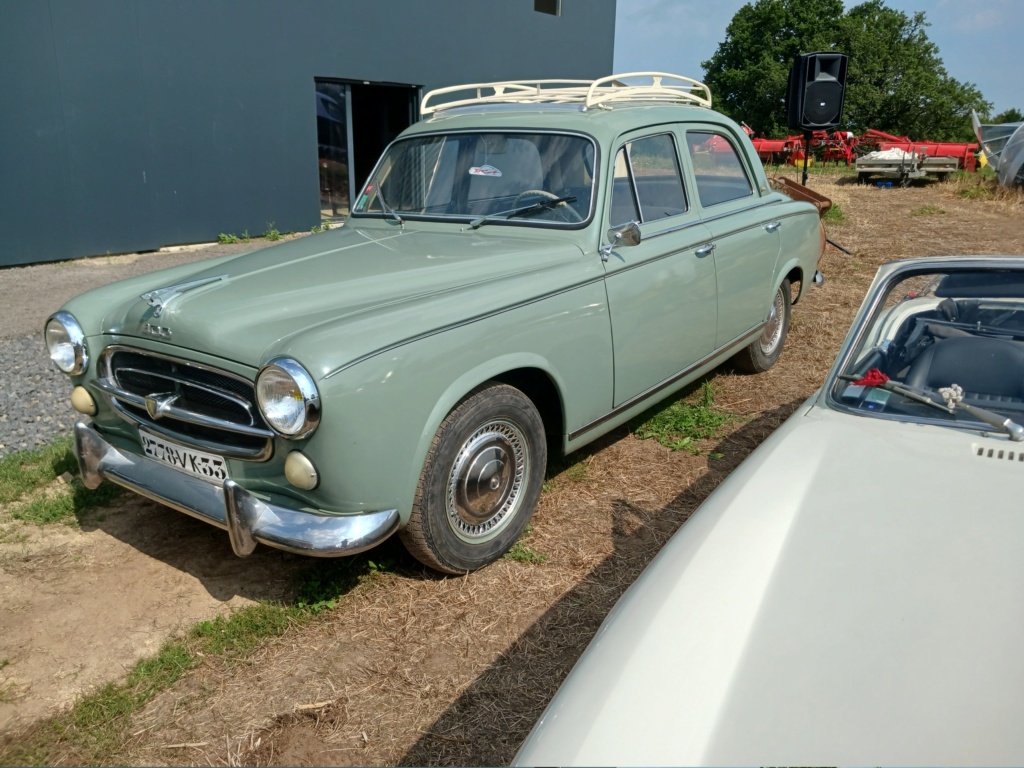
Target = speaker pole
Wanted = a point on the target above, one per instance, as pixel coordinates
(807, 152)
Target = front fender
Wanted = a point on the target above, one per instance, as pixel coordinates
(380, 415)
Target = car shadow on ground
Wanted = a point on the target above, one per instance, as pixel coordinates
(482, 727)
(196, 548)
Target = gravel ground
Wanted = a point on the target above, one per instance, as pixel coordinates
(34, 404)
(34, 396)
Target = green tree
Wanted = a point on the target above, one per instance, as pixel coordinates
(748, 72)
(896, 81)
(1008, 116)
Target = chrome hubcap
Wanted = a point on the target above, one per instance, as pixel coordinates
(485, 487)
(773, 328)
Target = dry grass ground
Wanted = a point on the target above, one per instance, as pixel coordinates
(411, 668)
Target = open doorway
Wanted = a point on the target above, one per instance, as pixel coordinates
(355, 121)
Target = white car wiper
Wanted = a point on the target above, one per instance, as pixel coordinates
(952, 395)
(526, 210)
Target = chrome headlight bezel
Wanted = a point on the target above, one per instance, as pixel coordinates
(297, 416)
(63, 324)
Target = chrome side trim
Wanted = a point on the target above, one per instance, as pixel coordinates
(468, 321)
(248, 519)
(649, 393)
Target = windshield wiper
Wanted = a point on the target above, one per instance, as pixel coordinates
(526, 210)
(388, 210)
(953, 396)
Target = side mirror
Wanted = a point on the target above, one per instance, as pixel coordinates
(624, 234)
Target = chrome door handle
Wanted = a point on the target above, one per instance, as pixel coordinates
(772, 226)
(704, 250)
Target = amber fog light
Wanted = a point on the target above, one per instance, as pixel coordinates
(300, 472)
(82, 401)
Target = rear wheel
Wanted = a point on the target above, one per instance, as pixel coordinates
(480, 482)
(762, 353)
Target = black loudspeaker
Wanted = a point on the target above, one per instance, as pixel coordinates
(814, 96)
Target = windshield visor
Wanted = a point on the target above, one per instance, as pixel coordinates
(467, 176)
(937, 342)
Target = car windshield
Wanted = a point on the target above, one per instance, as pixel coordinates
(945, 346)
(538, 179)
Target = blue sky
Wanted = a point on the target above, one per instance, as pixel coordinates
(980, 41)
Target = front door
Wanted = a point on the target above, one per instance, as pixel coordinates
(661, 293)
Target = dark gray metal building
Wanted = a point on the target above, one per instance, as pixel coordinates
(129, 125)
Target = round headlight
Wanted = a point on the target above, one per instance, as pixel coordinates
(288, 398)
(65, 342)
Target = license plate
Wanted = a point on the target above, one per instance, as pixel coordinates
(205, 465)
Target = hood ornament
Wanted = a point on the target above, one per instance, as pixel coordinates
(159, 299)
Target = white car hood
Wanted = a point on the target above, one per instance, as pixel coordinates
(853, 593)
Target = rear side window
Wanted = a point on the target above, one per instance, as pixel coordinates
(720, 174)
(647, 184)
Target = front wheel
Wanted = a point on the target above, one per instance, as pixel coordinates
(762, 353)
(480, 482)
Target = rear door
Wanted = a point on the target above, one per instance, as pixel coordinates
(744, 230)
(661, 293)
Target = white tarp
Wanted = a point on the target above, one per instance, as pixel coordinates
(894, 154)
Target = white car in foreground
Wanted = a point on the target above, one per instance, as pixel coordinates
(854, 592)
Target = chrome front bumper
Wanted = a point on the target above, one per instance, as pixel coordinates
(247, 519)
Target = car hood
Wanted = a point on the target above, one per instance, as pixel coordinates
(852, 594)
(261, 304)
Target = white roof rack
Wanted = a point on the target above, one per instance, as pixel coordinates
(658, 87)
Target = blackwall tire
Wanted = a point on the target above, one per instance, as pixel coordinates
(480, 482)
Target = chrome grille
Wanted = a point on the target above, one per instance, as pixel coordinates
(186, 401)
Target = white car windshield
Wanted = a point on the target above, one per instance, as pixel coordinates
(943, 346)
(540, 179)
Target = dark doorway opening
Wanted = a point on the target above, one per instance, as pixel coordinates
(355, 122)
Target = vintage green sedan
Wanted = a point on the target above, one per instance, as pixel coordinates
(529, 266)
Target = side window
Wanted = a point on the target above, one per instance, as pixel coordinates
(647, 184)
(720, 174)
(624, 207)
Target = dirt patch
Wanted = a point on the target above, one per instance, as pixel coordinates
(412, 668)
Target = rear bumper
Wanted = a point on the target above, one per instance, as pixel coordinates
(246, 518)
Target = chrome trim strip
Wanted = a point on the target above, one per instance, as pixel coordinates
(670, 230)
(248, 519)
(167, 409)
(104, 362)
(483, 316)
(262, 453)
(118, 397)
(637, 399)
(241, 402)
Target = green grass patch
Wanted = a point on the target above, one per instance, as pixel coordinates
(25, 471)
(927, 210)
(834, 215)
(682, 423)
(521, 552)
(226, 238)
(64, 504)
(240, 633)
(96, 730)
(25, 475)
